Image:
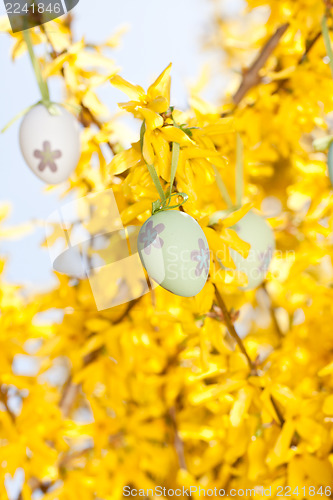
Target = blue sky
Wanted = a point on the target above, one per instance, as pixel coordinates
(147, 47)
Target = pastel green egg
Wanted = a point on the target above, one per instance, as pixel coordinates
(174, 251)
(254, 229)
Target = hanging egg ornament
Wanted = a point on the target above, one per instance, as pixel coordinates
(50, 143)
(254, 229)
(174, 251)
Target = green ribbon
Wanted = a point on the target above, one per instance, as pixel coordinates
(164, 203)
(43, 87)
(327, 41)
(239, 179)
(222, 188)
(159, 206)
(42, 84)
(239, 171)
(19, 115)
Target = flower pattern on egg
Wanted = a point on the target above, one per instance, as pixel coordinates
(265, 259)
(47, 157)
(201, 256)
(150, 236)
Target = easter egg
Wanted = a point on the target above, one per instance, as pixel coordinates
(253, 229)
(72, 262)
(174, 251)
(50, 144)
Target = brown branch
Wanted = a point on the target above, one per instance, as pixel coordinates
(309, 46)
(272, 312)
(178, 443)
(4, 400)
(301, 60)
(232, 330)
(277, 411)
(251, 76)
(68, 397)
(85, 111)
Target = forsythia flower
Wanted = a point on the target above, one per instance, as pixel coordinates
(158, 391)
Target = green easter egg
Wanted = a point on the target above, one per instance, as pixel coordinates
(254, 229)
(174, 251)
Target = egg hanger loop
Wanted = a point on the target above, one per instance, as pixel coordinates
(222, 188)
(42, 84)
(164, 202)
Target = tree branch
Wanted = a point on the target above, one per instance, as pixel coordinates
(4, 400)
(86, 122)
(232, 329)
(178, 443)
(251, 76)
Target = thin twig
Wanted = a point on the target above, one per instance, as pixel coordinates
(251, 76)
(277, 411)
(68, 397)
(231, 328)
(92, 118)
(309, 46)
(281, 84)
(272, 312)
(4, 400)
(178, 443)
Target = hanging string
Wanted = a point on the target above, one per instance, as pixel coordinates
(239, 171)
(164, 203)
(222, 188)
(42, 84)
(19, 115)
(151, 168)
(327, 41)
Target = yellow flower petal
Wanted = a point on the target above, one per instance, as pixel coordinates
(161, 86)
(237, 215)
(159, 105)
(328, 405)
(133, 211)
(174, 134)
(163, 158)
(153, 120)
(133, 91)
(220, 250)
(231, 238)
(220, 127)
(194, 152)
(124, 160)
(147, 149)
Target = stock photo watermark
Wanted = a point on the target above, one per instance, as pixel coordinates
(26, 14)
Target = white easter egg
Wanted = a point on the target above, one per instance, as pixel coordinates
(174, 251)
(255, 230)
(50, 144)
(72, 262)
